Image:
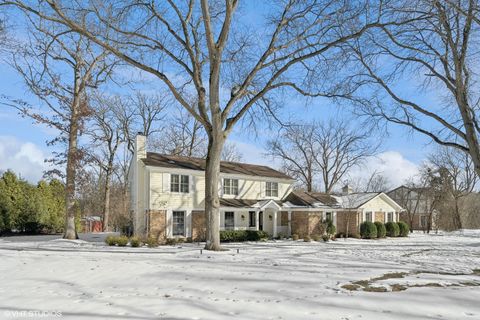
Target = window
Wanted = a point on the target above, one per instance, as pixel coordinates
(368, 216)
(390, 217)
(179, 183)
(230, 186)
(251, 219)
(423, 221)
(271, 189)
(178, 223)
(329, 216)
(229, 220)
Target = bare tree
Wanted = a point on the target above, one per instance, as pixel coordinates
(458, 178)
(106, 137)
(199, 49)
(231, 153)
(375, 182)
(329, 150)
(59, 67)
(439, 53)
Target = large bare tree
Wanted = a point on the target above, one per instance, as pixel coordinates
(322, 151)
(438, 55)
(206, 52)
(59, 67)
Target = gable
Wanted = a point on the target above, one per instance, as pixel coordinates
(381, 202)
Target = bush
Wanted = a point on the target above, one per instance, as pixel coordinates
(403, 229)
(242, 235)
(151, 242)
(368, 230)
(392, 229)
(331, 228)
(135, 242)
(111, 240)
(295, 237)
(381, 231)
(316, 237)
(122, 241)
(307, 239)
(325, 238)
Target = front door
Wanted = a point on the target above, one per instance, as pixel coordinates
(260, 221)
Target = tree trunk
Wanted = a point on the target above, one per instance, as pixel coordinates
(216, 141)
(106, 196)
(457, 221)
(72, 155)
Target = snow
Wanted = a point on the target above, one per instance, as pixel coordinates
(265, 280)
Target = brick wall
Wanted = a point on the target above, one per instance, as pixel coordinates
(299, 223)
(199, 227)
(157, 224)
(315, 223)
(380, 217)
(284, 218)
(350, 217)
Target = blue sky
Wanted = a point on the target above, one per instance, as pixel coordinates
(23, 143)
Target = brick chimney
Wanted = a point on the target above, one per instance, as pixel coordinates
(347, 189)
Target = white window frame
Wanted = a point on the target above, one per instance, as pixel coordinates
(331, 216)
(183, 234)
(269, 192)
(371, 216)
(392, 215)
(232, 227)
(180, 183)
(230, 189)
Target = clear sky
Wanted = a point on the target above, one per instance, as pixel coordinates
(23, 144)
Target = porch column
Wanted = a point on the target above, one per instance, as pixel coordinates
(275, 223)
(256, 219)
(289, 223)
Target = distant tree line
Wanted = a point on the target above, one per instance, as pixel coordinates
(31, 208)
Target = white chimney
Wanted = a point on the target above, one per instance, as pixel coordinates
(347, 189)
(140, 146)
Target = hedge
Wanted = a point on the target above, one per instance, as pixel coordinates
(368, 230)
(242, 235)
(404, 229)
(381, 231)
(393, 230)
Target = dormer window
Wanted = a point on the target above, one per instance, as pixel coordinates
(271, 189)
(230, 186)
(179, 183)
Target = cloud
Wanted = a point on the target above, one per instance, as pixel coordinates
(391, 164)
(254, 154)
(24, 158)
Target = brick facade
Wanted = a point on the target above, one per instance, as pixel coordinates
(315, 223)
(284, 218)
(157, 224)
(380, 217)
(307, 223)
(199, 226)
(349, 218)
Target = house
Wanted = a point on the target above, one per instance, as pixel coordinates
(168, 199)
(418, 203)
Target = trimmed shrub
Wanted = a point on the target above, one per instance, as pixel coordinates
(135, 242)
(403, 229)
(295, 237)
(151, 242)
(325, 238)
(316, 237)
(381, 231)
(368, 230)
(242, 235)
(392, 229)
(122, 241)
(307, 239)
(171, 241)
(111, 240)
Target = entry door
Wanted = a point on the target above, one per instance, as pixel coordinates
(260, 221)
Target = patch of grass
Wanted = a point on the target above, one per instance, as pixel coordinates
(476, 272)
(363, 283)
(392, 275)
(375, 289)
(351, 287)
(398, 287)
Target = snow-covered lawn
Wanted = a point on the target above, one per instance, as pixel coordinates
(424, 276)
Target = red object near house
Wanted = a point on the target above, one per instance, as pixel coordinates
(92, 224)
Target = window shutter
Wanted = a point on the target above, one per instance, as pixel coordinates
(166, 182)
(192, 183)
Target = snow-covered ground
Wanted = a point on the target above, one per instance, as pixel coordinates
(423, 276)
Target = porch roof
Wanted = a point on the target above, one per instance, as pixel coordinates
(247, 203)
